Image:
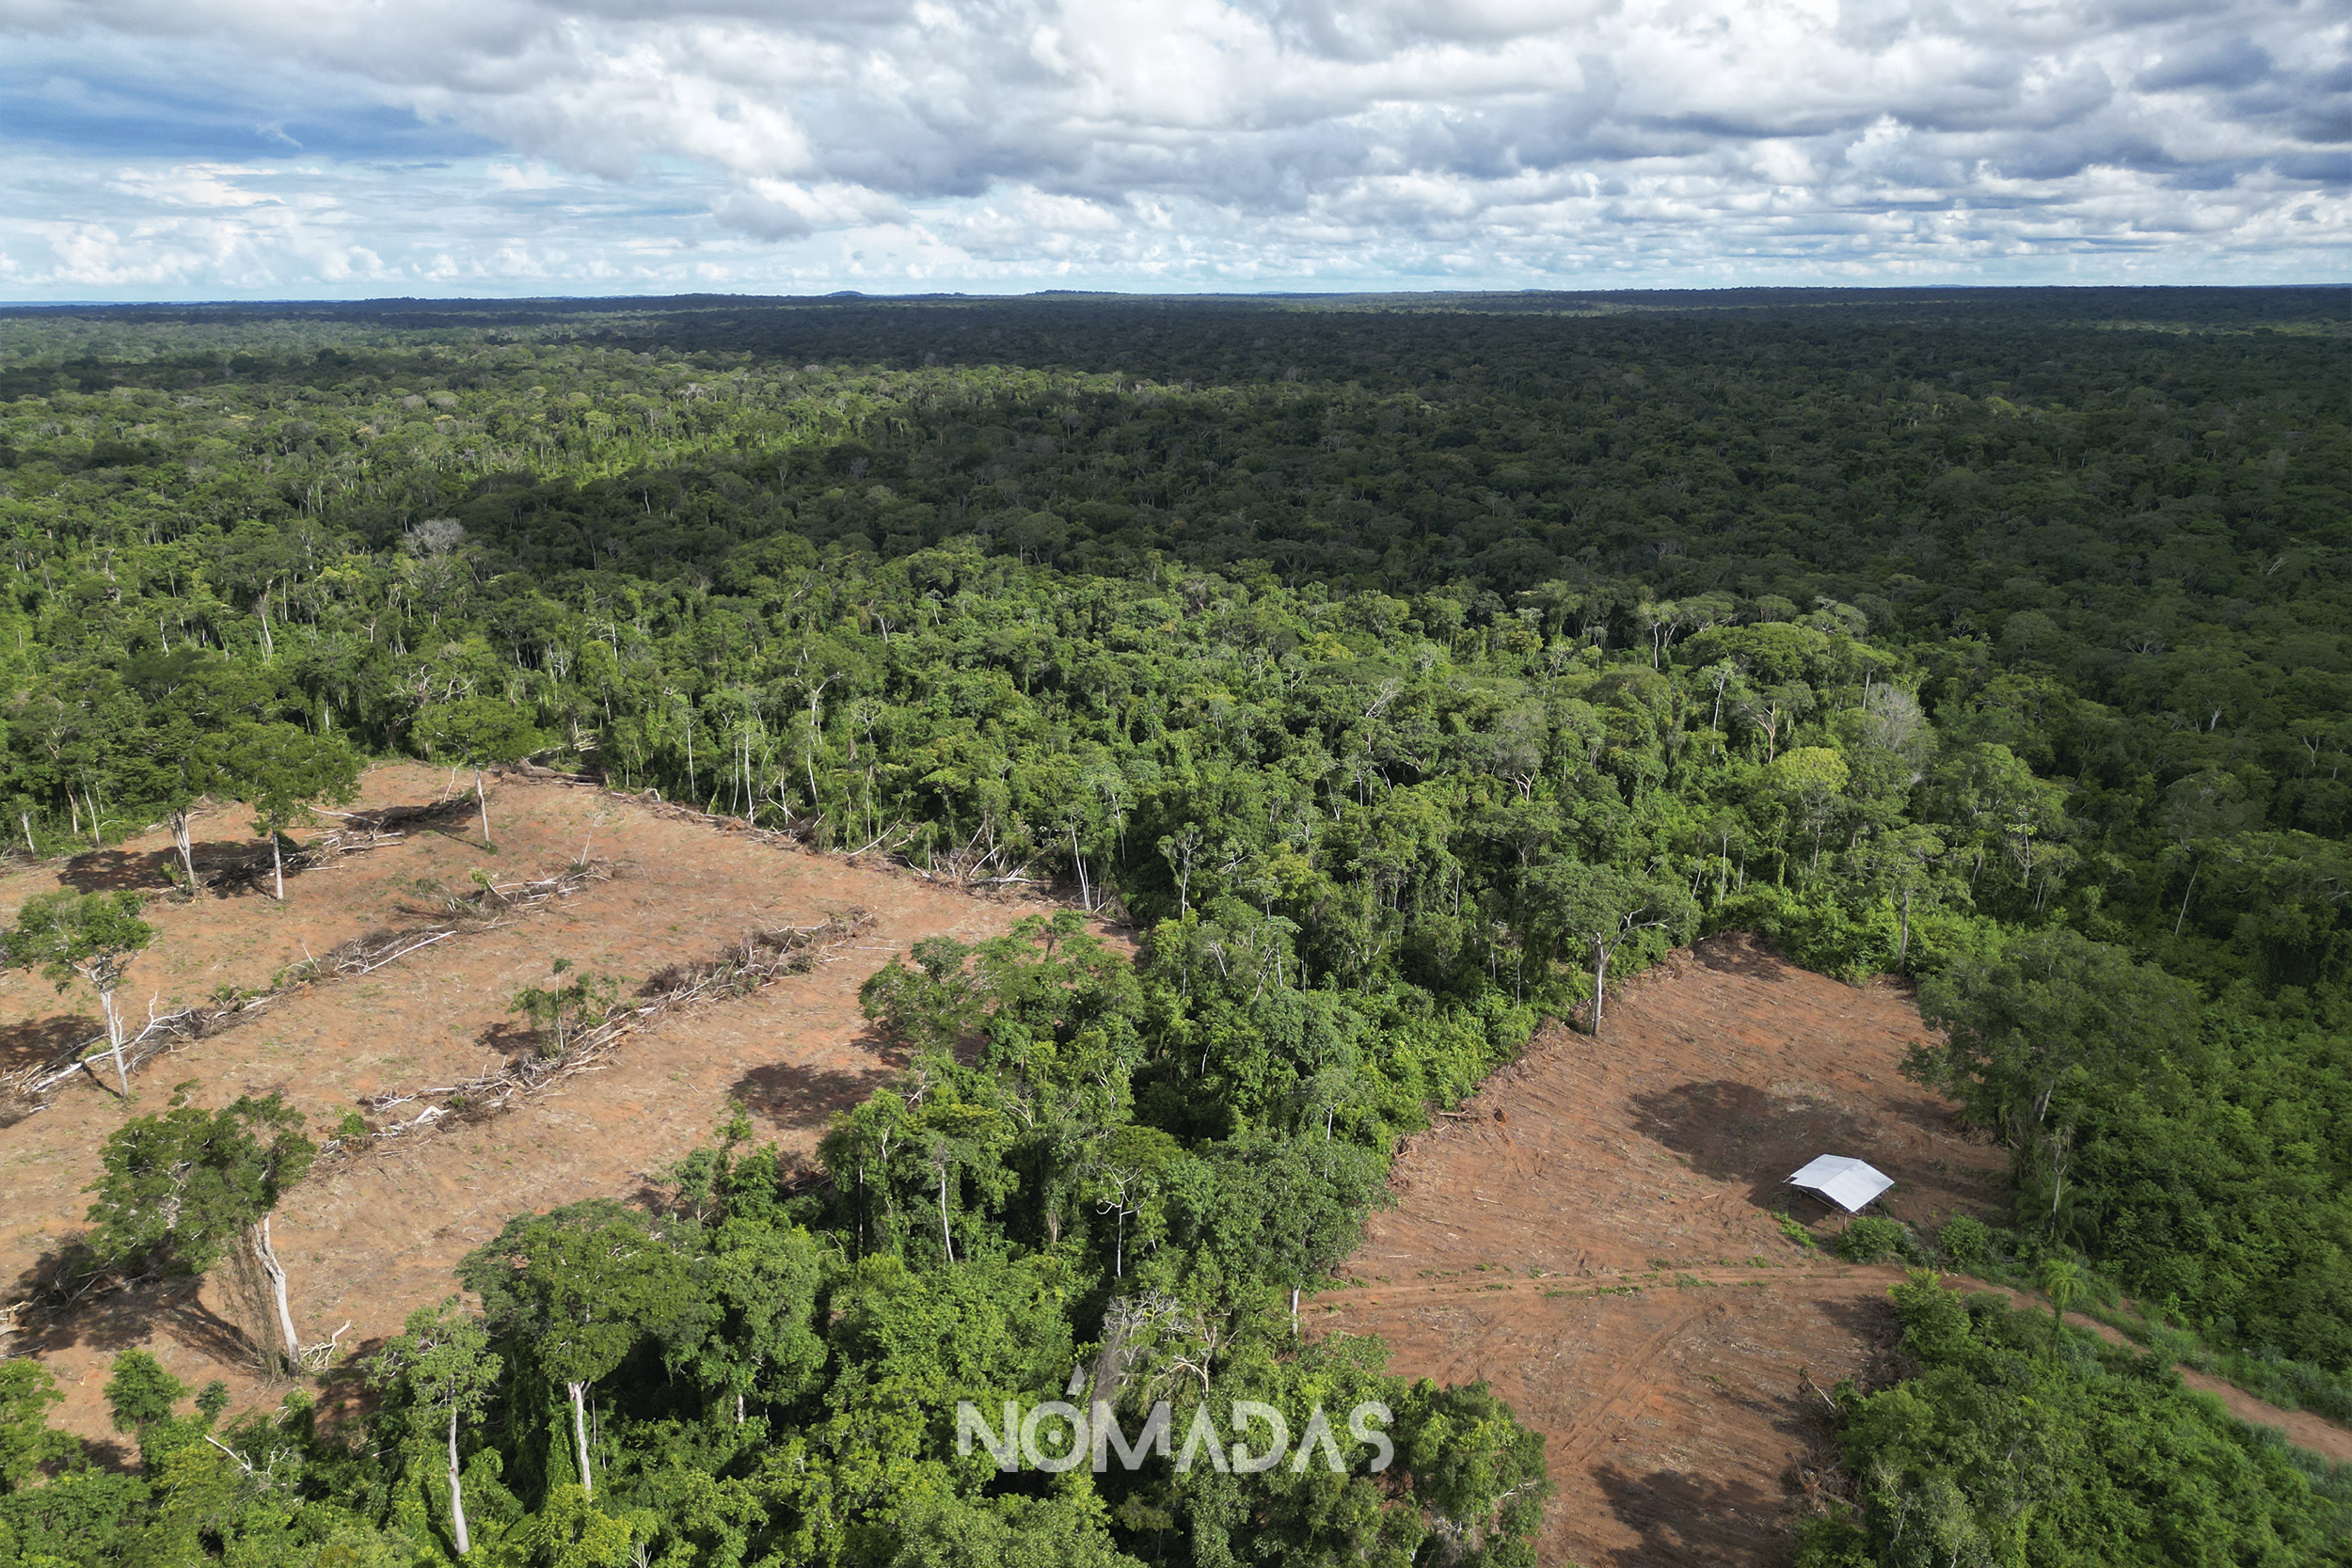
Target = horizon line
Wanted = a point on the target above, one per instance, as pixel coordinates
(859, 296)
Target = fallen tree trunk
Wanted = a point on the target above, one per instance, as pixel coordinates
(758, 959)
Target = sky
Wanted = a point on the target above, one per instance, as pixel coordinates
(362, 148)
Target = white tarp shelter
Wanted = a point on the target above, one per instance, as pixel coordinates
(1847, 1183)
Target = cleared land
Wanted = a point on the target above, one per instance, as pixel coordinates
(369, 1240)
(1605, 1252)
(1598, 1237)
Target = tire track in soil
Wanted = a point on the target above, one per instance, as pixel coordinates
(1625, 1172)
(1581, 1234)
(2303, 1428)
(1608, 1411)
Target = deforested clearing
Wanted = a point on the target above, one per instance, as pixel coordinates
(376, 1234)
(1599, 1236)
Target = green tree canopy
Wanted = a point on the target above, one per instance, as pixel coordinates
(89, 936)
(477, 732)
(179, 1188)
(282, 773)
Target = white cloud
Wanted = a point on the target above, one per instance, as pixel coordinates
(1194, 142)
(193, 185)
(530, 175)
(781, 208)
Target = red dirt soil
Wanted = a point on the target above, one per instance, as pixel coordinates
(373, 1238)
(1597, 1237)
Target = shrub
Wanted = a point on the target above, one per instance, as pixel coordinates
(1873, 1239)
(1966, 1241)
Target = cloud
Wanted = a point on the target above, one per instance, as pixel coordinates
(1195, 142)
(781, 208)
(192, 185)
(2225, 62)
(531, 176)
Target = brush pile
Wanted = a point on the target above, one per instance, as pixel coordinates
(759, 959)
(489, 906)
(352, 834)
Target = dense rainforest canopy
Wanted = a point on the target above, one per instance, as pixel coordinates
(1405, 669)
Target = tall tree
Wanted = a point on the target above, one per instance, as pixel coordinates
(442, 1362)
(1597, 908)
(195, 705)
(1126, 1175)
(2199, 811)
(477, 733)
(761, 1344)
(182, 1188)
(1900, 860)
(90, 936)
(2033, 1037)
(2027, 1032)
(580, 1285)
(282, 773)
(1811, 779)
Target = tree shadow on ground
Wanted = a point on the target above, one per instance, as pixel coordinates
(1684, 1518)
(1735, 1131)
(216, 854)
(1870, 1317)
(41, 1040)
(111, 1454)
(129, 1316)
(510, 1040)
(458, 807)
(791, 1096)
(111, 870)
(1739, 953)
(345, 1391)
(227, 867)
(790, 1093)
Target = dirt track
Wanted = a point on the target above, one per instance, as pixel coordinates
(372, 1240)
(1597, 1237)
